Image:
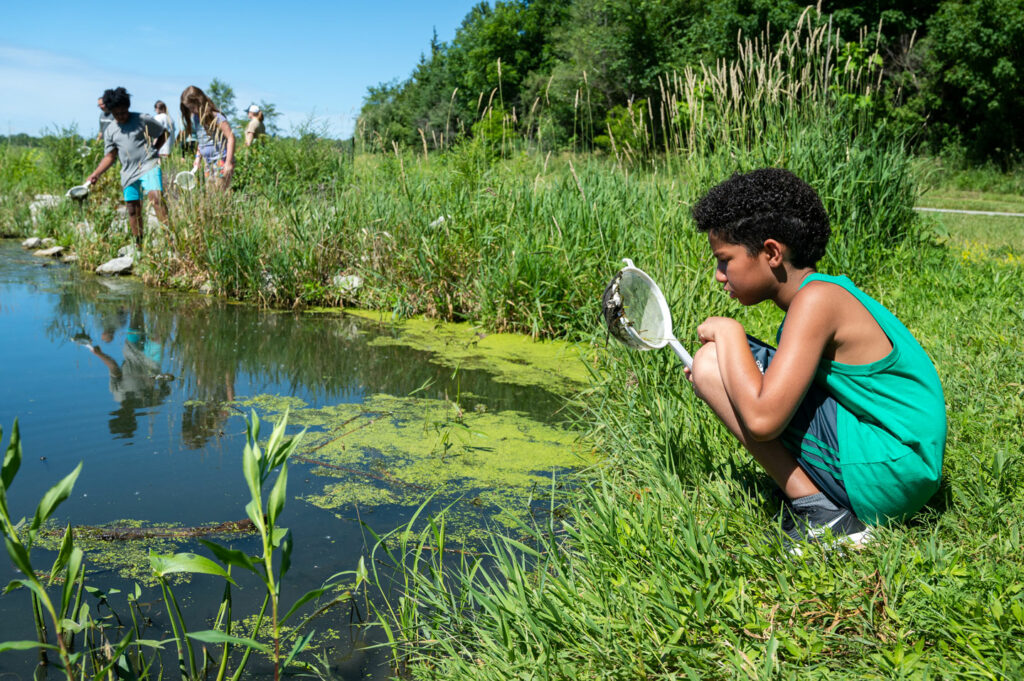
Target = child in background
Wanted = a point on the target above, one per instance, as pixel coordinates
(164, 119)
(216, 142)
(847, 415)
(133, 139)
(255, 129)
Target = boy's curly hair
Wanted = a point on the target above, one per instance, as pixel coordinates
(770, 203)
(116, 98)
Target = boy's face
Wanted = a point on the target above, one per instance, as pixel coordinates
(120, 114)
(745, 277)
(99, 103)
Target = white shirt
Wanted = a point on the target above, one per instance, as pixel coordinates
(166, 121)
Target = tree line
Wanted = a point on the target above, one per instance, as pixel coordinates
(564, 71)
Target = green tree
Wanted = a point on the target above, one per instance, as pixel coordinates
(223, 96)
(973, 77)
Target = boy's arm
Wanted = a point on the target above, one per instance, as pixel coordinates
(766, 403)
(105, 163)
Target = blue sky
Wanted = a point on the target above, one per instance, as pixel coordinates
(310, 58)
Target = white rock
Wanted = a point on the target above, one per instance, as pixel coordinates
(48, 242)
(51, 252)
(440, 220)
(128, 251)
(69, 258)
(32, 242)
(122, 265)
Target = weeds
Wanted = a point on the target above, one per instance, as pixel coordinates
(91, 646)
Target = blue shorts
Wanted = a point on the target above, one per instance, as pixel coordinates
(812, 435)
(153, 181)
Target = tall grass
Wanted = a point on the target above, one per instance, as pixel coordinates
(656, 564)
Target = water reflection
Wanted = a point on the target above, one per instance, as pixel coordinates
(142, 385)
(138, 382)
(147, 338)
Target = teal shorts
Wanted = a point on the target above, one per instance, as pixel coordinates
(812, 435)
(153, 181)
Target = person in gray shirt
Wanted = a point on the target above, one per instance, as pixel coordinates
(133, 139)
(105, 118)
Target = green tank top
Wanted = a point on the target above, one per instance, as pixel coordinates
(891, 420)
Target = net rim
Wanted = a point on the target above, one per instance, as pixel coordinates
(659, 297)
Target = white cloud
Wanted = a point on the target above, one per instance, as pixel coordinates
(40, 90)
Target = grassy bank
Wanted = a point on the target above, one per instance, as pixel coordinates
(655, 566)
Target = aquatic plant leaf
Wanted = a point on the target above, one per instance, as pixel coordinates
(66, 544)
(277, 536)
(53, 498)
(71, 578)
(164, 565)
(25, 645)
(19, 555)
(299, 646)
(213, 636)
(275, 503)
(12, 459)
(305, 598)
(255, 513)
(251, 471)
(32, 585)
(286, 555)
(230, 556)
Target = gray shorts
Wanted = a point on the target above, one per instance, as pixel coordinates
(812, 434)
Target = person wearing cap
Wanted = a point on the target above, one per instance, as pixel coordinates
(255, 128)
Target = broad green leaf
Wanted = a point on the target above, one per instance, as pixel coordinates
(12, 459)
(286, 554)
(213, 636)
(53, 498)
(71, 578)
(278, 535)
(275, 503)
(255, 513)
(19, 555)
(66, 544)
(362, 574)
(164, 565)
(25, 645)
(230, 556)
(33, 586)
(251, 470)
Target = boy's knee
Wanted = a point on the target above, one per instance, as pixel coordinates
(706, 376)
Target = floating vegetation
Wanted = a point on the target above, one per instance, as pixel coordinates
(401, 450)
(510, 358)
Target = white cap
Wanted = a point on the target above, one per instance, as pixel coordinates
(253, 108)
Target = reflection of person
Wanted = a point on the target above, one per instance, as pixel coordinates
(216, 141)
(133, 139)
(106, 118)
(848, 415)
(205, 414)
(164, 119)
(255, 129)
(137, 382)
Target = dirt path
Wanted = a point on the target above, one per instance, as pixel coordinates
(968, 212)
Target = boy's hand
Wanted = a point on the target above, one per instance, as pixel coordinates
(93, 178)
(713, 328)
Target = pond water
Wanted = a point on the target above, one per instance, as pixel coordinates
(150, 389)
